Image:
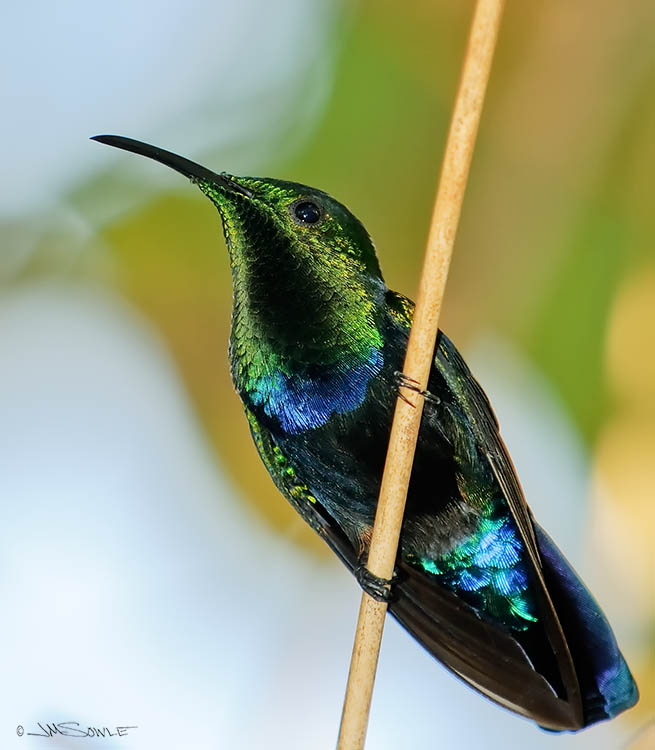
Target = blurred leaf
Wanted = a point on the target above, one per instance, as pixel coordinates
(567, 337)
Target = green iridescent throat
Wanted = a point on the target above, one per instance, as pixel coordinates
(305, 336)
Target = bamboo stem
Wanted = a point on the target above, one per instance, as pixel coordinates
(418, 361)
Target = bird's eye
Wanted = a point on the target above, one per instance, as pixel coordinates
(307, 212)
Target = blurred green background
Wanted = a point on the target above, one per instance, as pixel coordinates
(554, 252)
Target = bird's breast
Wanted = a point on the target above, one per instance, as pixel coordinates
(297, 402)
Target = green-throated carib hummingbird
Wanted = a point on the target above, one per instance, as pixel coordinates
(316, 347)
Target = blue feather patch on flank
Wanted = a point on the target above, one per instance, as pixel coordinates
(473, 580)
(606, 684)
(302, 403)
(498, 548)
(489, 571)
(508, 582)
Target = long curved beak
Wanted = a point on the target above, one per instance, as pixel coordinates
(188, 168)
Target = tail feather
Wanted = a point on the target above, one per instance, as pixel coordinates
(606, 684)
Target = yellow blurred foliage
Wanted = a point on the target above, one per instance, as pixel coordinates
(623, 515)
(630, 347)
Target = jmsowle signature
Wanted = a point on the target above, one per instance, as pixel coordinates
(75, 729)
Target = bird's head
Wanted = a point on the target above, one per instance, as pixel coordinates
(307, 283)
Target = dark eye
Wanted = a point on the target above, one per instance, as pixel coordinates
(307, 212)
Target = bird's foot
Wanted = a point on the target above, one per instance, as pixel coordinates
(377, 588)
(404, 381)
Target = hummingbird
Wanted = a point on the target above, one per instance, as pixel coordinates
(316, 352)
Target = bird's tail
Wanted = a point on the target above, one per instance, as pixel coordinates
(606, 685)
(517, 672)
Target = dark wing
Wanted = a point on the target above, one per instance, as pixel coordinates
(566, 673)
(483, 655)
(505, 675)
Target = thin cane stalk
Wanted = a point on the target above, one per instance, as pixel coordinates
(418, 361)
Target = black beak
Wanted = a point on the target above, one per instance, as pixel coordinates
(188, 168)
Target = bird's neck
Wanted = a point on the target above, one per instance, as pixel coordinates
(298, 357)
